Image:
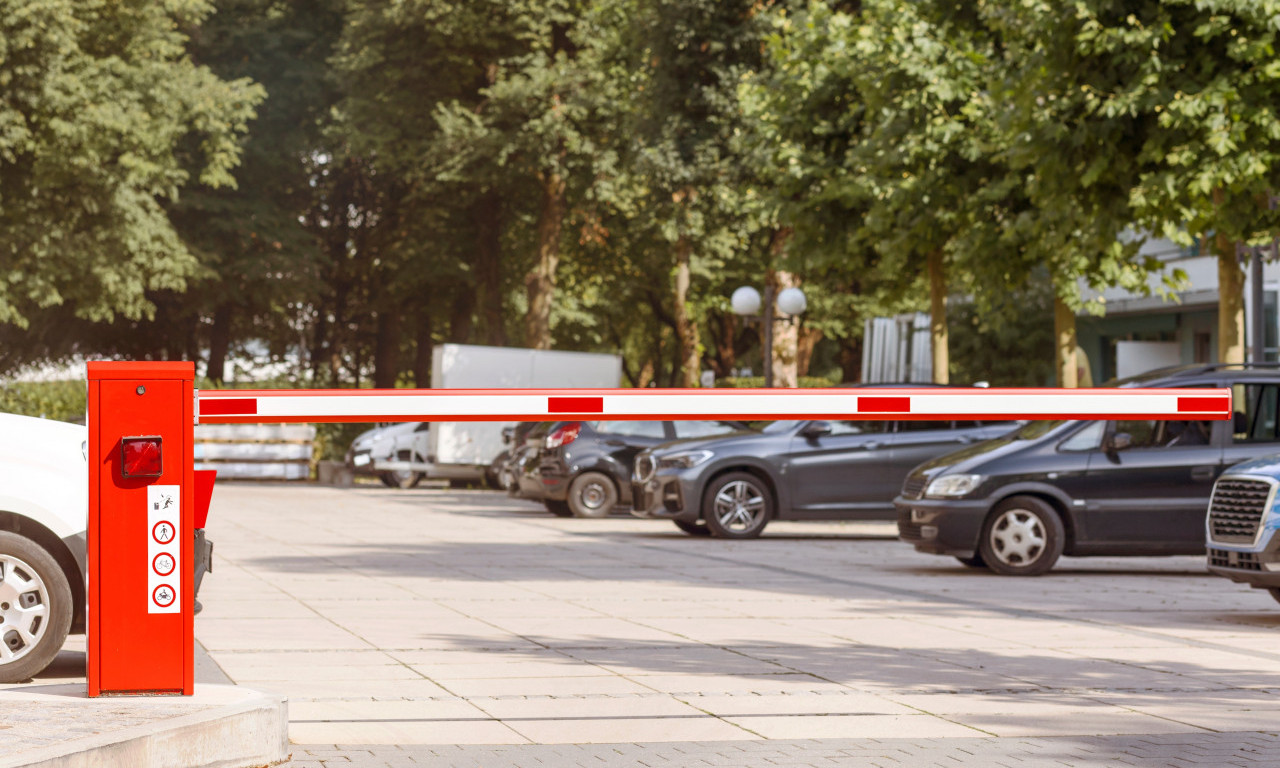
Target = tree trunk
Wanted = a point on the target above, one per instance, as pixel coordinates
(1230, 302)
(460, 322)
(540, 283)
(726, 357)
(386, 350)
(786, 338)
(487, 219)
(809, 338)
(422, 351)
(938, 340)
(1064, 334)
(851, 360)
(219, 343)
(686, 326)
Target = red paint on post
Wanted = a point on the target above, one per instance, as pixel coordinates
(575, 405)
(884, 405)
(229, 406)
(1215, 404)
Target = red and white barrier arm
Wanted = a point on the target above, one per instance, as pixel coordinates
(924, 403)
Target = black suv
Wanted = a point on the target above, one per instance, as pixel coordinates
(584, 467)
(1126, 487)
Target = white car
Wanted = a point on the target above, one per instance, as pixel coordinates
(43, 517)
(395, 442)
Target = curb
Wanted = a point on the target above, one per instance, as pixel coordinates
(242, 728)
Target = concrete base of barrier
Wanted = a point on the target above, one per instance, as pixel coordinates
(221, 726)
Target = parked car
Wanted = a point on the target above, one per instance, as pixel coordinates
(732, 486)
(43, 517)
(584, 468)
(1241, 525)
(523, 437)
(391, 442)
(1121, 487)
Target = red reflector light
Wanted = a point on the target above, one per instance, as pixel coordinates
(564, 435)
(141, 457)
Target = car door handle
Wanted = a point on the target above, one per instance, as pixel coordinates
(871, 446)
(1202, 473)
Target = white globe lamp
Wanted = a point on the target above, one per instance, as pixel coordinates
(745, 301)
(792, 301)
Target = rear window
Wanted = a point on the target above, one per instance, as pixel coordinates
(629, 428)
(703, 428)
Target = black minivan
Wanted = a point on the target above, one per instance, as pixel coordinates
(1125, 487)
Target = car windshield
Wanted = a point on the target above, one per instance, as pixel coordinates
(1033, 429)
(779, 427)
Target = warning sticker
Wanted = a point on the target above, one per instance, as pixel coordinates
(164, 537)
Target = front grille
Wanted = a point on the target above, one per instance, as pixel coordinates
(1236, 510)
(906, 528)
(1245, 561)
(644, 467)
(914, 487)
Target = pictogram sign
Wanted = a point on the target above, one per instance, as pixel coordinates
(163, 512)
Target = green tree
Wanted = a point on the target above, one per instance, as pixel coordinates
(1157, 115)
(260, 256)
(104, 119)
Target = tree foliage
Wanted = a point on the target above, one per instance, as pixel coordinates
(105, 117)
(601, 174)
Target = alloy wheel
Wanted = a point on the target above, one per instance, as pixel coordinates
(24, 609)
(739, 506)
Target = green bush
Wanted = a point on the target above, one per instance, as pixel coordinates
(333, 440)
(60, 400)
(750, 382)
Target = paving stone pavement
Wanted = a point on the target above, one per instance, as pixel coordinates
(1201, 749)
(433, 617)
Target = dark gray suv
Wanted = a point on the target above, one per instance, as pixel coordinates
(732, 486)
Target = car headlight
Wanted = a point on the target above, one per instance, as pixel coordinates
(686, 460)
(953, 486)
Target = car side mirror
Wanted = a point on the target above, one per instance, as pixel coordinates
(816, 429)
(1119, 442)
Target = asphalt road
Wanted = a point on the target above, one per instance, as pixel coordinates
(471, 629)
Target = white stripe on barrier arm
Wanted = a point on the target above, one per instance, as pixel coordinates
(922, 403)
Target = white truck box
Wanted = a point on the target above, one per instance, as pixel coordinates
(464, 450)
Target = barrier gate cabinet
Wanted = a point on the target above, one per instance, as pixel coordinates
(141, 528)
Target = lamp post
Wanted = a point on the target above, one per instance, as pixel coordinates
(747, 304)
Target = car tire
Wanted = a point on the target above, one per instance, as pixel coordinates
(737, 506)
(693, 529)
(592, 494)
(401, 479)
(973, 562)
(558, 508)
(29, 578)
(1023, 536)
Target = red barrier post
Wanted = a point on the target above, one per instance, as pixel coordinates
(141, 528)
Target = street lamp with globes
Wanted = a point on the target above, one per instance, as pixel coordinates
(746, 303)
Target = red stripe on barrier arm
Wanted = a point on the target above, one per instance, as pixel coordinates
(884, 405)
(562, 405)
(229, 406)
(1204, 404)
